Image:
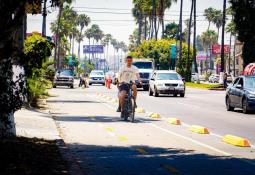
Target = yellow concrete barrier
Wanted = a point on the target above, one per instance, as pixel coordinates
(155, 115)
(109, 98)
(174, 121)
(140, 110)
(199, 129)
(236, 141)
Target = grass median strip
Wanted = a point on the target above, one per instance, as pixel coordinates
(203, 86)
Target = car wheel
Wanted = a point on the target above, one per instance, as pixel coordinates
(150, 92)
(54, 86)
(90, 84)
(155, 92)
(228, 105)
(71, 86)
(175, 95)
(182, 94)
(103, 84)
(245, 107)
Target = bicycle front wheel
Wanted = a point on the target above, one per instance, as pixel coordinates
(132, 112)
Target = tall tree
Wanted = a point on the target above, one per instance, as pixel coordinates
(209, 14)
(171, 30)
(107, 39)
(83, 20)
(218, 20)
(244, 15)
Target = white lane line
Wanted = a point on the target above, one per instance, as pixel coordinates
(191, 140)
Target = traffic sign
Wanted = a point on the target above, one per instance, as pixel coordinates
(173, 51)
(93, 49)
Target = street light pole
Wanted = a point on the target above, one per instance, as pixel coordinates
(180, 30)
(195, 36)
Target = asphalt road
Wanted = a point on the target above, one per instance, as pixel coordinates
(104, 144)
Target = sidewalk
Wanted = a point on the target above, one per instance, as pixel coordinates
(34, 123)
(40, 124)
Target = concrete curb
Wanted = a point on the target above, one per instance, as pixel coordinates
(236, 141)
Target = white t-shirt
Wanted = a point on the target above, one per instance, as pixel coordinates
(127, 74)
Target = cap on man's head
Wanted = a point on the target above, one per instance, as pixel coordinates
(129, 57)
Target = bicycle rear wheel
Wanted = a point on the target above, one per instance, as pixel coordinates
(124, 112)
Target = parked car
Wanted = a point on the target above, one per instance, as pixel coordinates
(194, 77)
(241, 94)
(214, 78)
(166, 82)
(97, 77)
(64, 78)
(249, 69)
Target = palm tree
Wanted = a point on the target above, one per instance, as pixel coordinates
(209, 14)
(180, 30)
(114, 42)
(189, 35)
(218, 20)
(208, 39)
(83, 20)
(107, 39)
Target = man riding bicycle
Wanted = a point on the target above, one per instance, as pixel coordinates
(128, 73)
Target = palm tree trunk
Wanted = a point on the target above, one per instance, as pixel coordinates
(180, 30)
(145, 28)
(73, 45)
(57, 52)
(229, 55)
(188, 78)
(163, 27)
(89, 53)
(139, 29)
(222, 37)
(79, 50)
(155, 18)
(218, 35)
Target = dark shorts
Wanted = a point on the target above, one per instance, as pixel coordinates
(124, 87)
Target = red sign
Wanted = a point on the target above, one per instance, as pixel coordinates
(216, 49)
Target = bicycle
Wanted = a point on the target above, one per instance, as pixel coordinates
(129, 105)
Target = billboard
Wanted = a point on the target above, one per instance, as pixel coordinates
(201, 56)
(216, 49)
(93, 49)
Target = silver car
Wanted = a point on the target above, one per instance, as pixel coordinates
(97, 77)
(166, 82)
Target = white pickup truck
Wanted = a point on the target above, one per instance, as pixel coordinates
(145, 70)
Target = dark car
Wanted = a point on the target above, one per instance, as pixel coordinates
(64, 78)
(241, 94)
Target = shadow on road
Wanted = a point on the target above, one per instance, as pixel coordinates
(98, 118)
(71, 101)
(140, 159)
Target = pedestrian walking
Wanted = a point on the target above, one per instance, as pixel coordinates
(225, 78)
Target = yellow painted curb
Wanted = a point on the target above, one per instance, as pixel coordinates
(155, 115)
(236, 141)
(140, 110)
(174, 121)
(199, 129)
(109, 129)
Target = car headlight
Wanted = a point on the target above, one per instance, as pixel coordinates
(251, 95)
(160, 84)
(181, 85)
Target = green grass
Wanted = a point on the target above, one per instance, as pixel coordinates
(203, 86)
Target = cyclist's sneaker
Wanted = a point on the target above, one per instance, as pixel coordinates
(119, 109)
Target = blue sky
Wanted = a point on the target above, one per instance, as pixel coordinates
(121, 25)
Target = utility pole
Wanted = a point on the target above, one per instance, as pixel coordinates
(195, 39)
(222, 39)
(44, 14)
(180, 30)
(155, 18)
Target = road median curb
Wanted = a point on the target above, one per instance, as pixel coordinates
(236, 141)
(199, 129)
(174, 121)
(154, 115)
(140, 110)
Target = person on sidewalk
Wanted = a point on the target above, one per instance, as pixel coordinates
(225, 79)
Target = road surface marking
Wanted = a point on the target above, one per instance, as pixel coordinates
(190, 139)
(170, 169)
(109, 129)
(122, 138)
(142, 151)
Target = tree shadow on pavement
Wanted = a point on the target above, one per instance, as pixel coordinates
(99, 118)
(71, 101)
(142, 159)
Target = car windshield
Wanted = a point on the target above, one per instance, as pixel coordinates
(250, 82)
(96, 73)
(168, 76)
(143, 65)
(65, 73)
